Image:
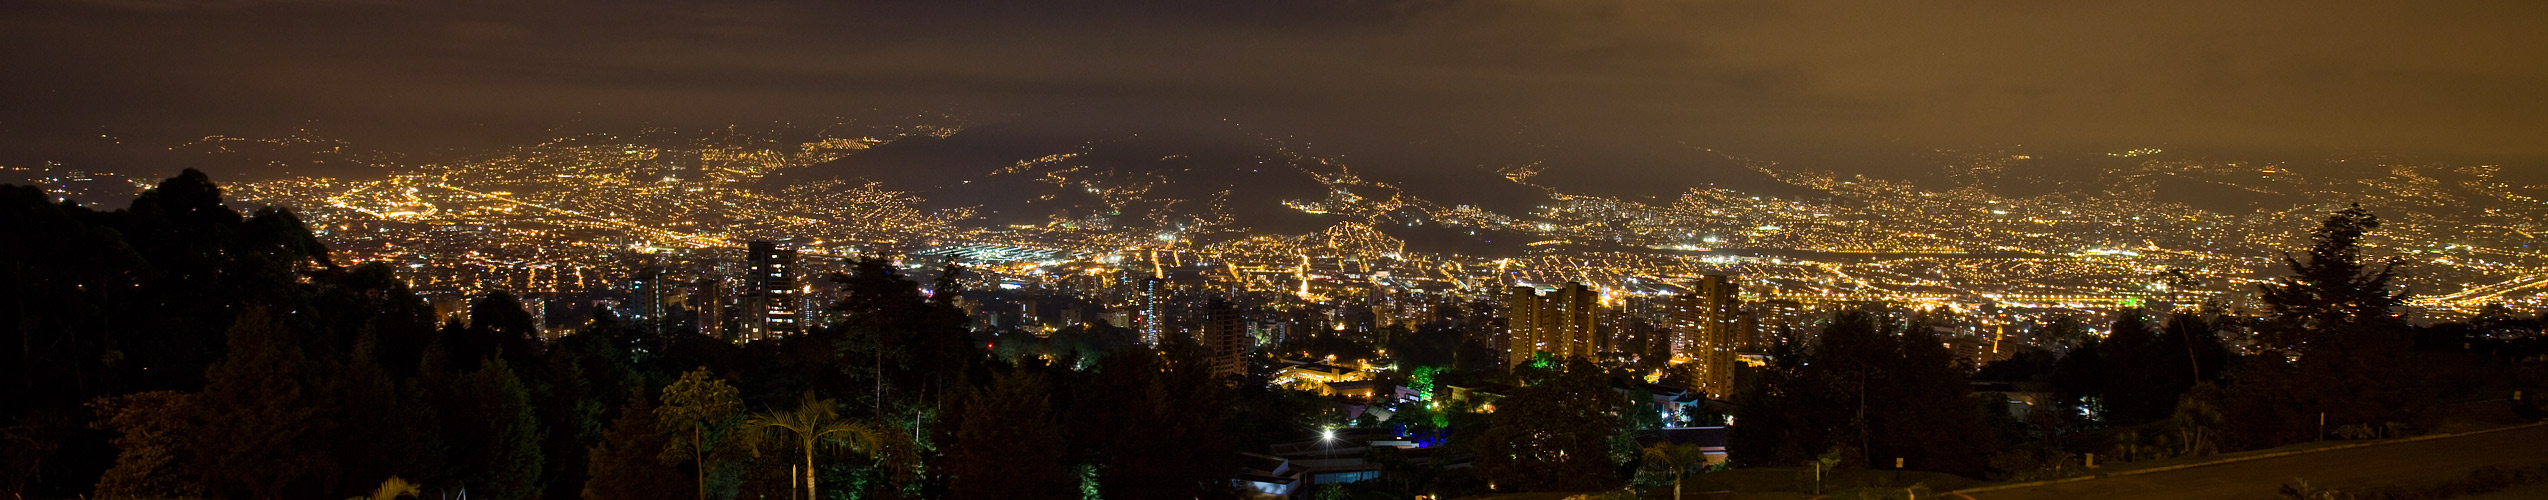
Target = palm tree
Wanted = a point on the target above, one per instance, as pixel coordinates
(1678, 457)
(2198, 419)
(392, 489)
(814, 424)
(1829, 459)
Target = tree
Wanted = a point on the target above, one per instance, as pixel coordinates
(2064, 332)
(2198, 421)
(1874, 388)
(148, 428)
(1007, 444)
(391, 489)
(1184, 441)
(498, 326)
(2026, 364)
(2338, 311)
(909, 345)
(1554, 434)
(1421, 380)
(379, 433)
(2135, 387)
(505, 460)
(1678, 458)
(697, 411)
(571, 417)
(2336, 301)
(2191, 345)
(2079, 378)
(1823, 465)
(487, 426)
(260, 419)
(1434, 343)
(628, 464)
(815, 425)
(2139, 371)
(1927, 414)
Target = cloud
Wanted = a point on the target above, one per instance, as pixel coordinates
(1614, 80)
(167, 6)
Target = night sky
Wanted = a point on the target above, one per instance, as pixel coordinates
(1632, 87)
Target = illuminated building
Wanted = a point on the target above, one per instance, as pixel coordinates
(769, 292)
(648, 292)
(1777, 321)
(1313, 376)
(539, 309)
(1560, 323)
(709, 302)
(1225, 335)
(1150, 299)
(1706, 332)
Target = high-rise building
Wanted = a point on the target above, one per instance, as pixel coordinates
(708, 304)
(648, 293)
(1150, 304)
(770, 295)
(1560, 322)
(538, 306)
(1776, 321)
(1707, 331)
(1225, 334)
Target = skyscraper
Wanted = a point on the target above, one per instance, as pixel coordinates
(1150, 303)
(1560, 323)
(1775, 321)
(1224, 334)
(769, 291)
(648, 292)
(708, 301)
(1707, 332)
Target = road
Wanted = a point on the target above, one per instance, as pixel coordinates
(2367, 466)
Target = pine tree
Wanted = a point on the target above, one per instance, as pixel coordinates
(572, 420)
(260, 418)
(376, 437)
(1007, 445)
(493, 434)
(2338, 311)
(2336, 302)
(150, 428)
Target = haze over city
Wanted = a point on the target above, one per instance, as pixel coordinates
(1354, 249)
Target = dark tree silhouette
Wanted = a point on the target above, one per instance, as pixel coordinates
(1554, 434)
(625, 463)
(1874, 391)
(1008, 444)
(492, 432)
(2338, 312)
(2336, 302)
(1155, 424)
(260, 419)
